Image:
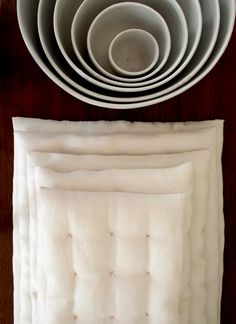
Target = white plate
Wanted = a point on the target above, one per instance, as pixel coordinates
(27, 18)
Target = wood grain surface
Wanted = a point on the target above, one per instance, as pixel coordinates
(26, 91)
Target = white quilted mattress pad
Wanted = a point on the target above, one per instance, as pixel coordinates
(117, 222)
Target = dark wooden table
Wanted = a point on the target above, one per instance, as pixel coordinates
(26, 91)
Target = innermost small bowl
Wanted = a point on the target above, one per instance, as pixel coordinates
(133, 52)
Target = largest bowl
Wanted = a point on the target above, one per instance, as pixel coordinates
(27, 17)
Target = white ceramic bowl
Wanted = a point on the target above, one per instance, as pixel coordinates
(47, 37)
(194, 23)
(133, 52)
(88, 10)
(211, 19)
(108, 24)
(27, 18)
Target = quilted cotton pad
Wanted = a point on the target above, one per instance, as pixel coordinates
(35, 141)
(96, 181)
(117, 259)
(169, 180)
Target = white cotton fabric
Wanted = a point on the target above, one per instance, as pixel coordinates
(140, 138)
(95, 180)
(166, 180)
(99, 264)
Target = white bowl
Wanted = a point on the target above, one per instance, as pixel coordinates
(211, 19)
(27, 18)
(89, 9)
(108, 24)
(133, 52)
(50, 46)
(189, 6)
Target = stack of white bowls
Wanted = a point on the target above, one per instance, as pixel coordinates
(120, 54)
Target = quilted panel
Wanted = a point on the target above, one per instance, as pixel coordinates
(82, 181)
(170, 180)
(131, 276)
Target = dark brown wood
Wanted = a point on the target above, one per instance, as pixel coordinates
(26, 91)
